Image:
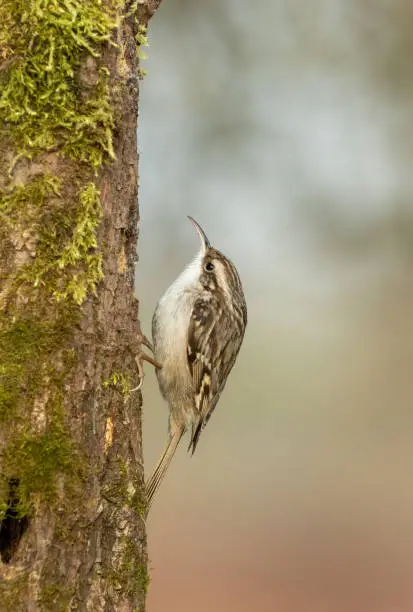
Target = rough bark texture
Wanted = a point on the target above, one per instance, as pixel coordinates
(72, 534)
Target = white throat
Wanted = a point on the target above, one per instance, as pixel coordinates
(189, 276)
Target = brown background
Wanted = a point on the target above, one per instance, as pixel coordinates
(285, 129)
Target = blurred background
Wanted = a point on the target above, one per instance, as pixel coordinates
(286, 129)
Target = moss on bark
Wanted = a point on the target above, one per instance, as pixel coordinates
(48, 225)
(58, 109)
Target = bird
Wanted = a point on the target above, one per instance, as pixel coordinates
(197, 329)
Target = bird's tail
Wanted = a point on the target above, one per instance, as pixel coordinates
(162, 465)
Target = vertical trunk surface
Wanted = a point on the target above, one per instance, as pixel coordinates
(72, 536)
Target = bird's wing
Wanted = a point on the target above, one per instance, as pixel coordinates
(213, 344)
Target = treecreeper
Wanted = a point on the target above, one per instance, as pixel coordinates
(198, 327)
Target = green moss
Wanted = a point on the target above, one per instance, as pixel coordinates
(41, 102)
(122, 490)
(67, 260)
(48, 244)
(25, 343)
(4, 496)
(120, 381)
(55, 598)
(12, 591)
(36, 460)
(142, 42)
(125, 574)
(24, 202)
(139, 503)
(49, 225)
(143, 577)
(80, 256)
(37, 453)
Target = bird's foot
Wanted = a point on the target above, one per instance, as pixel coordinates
(141, 357)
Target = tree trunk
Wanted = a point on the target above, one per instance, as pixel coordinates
(72, 534)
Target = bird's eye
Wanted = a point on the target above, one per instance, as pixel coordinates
(209, 266)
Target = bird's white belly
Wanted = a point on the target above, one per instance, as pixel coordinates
(170, 337)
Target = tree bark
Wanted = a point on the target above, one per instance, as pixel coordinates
(72, 534)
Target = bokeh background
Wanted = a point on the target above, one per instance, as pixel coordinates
(286, 129)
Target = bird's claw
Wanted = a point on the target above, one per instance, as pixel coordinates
(140, 357)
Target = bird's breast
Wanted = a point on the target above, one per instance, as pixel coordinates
(170, 336)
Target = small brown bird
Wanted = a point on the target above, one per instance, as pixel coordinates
(197, 328)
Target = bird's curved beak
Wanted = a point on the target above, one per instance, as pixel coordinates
(204, 240)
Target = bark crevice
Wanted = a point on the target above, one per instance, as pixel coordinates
(12, 527)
